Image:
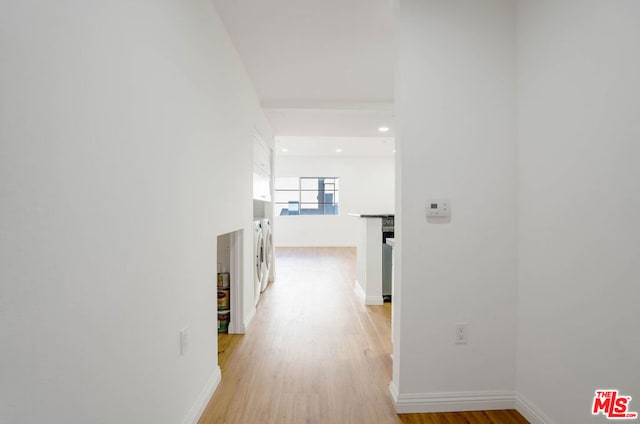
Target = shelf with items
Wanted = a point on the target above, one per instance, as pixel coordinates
(224, 297)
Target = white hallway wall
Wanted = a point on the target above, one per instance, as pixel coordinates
(126, 148)
(579, 239)
(366, 186)
(576, 145)
(456, 110)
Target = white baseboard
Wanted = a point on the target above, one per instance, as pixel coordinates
(374, 300)
(201, 402)
(235, 329)
(359, 291)
(467, 401)
(241, 328)
(247, 321)
(394, 392)
(368, 300)
(412, 403)
(531, 412)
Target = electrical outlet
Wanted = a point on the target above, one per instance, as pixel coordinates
(184, 340)
(461, 332)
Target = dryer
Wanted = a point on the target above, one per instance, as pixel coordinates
(258, 260)
(268, 252)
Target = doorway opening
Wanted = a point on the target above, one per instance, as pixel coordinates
(230, 307)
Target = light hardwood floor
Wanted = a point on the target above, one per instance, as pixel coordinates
(315, 354)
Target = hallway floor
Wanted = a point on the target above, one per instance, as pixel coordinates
(315, 354)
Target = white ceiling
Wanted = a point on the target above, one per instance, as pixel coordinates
(320, 68)
(335, 146)
(330, 122)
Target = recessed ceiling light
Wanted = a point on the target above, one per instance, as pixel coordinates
(284, 150)
(338, 150)
(383, 129)
(394, 150)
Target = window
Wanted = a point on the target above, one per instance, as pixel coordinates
(306, 196)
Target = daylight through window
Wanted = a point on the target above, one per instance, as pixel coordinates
(306, 195)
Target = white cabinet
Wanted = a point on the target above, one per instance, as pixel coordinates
(261, 187)
(261, 169)
(261, 156)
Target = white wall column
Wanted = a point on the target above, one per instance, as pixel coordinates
(455, 103)
(373, 261)
(579, 244)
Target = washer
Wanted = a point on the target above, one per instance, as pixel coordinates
(268, 252)
(258, 260)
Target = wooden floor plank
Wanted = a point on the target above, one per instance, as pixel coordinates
(315, 353)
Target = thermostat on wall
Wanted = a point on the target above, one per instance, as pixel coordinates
(438, 208)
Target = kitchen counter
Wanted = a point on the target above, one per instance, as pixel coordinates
(369, 256)
(380, 215)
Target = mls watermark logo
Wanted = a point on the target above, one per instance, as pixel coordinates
(612, 405)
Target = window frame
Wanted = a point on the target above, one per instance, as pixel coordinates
(320, 206)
